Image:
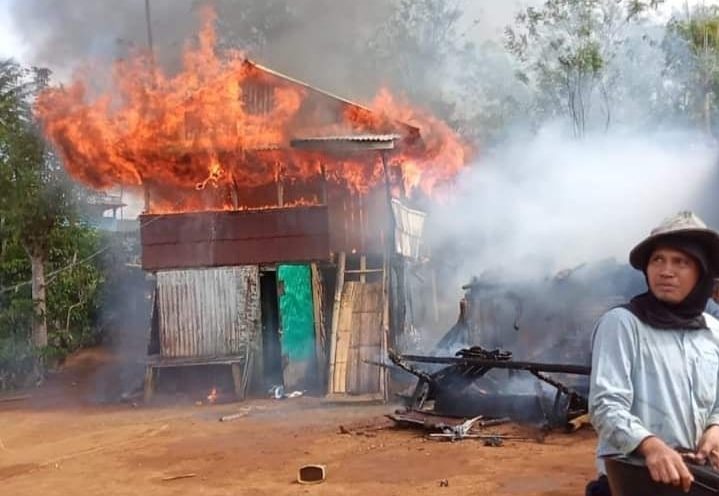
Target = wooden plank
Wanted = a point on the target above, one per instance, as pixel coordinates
(384, 375)
(339, 287)
(320, 332)
(237, 381)
(353, 363)
(344, 332)
(165, 362)
(370, 345)
(365, 341)
(149, 384)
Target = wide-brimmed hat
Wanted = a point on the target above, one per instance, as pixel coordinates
(685, 225)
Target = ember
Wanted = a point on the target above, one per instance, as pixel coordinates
(223, 125)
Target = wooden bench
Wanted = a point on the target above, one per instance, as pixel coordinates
(156, 362)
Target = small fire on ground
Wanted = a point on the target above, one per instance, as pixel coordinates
(212, 397)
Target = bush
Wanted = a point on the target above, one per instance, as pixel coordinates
(73, 300)
(18, 362)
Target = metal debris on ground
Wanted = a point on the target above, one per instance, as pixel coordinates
(493, 442)
(452, 429)
(457, 432)
(472, 364)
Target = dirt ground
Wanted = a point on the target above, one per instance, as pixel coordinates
(58, 442)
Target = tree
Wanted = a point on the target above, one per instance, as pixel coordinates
(36, 199)
(564, 49)
(415, 48)
(693, 62)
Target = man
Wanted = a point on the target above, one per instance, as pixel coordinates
(655, 361)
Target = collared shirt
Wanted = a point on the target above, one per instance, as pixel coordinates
(647, 381)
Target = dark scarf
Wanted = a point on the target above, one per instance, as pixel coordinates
(687, 314)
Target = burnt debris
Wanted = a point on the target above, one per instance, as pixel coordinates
(462, 387)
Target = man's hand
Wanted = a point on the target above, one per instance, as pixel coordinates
(708, 448)
(665, 464)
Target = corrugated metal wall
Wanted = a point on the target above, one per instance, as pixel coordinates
(208, 312)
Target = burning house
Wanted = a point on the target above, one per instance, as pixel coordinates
(287, 280)
(275, 214)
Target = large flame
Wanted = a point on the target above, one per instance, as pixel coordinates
(225, 124)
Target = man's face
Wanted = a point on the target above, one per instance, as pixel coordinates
(672, 274)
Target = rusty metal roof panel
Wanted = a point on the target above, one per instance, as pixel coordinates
(208, 312)
(215, 239)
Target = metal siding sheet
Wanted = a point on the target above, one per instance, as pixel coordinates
(409, 226)
(220, 239)
(208, 312)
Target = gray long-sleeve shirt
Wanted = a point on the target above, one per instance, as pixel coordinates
(648, 381)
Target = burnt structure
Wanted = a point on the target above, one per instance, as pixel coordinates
(520, 350)
(297, 281)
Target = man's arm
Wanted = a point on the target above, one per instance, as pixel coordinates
(611, 392)
(708, 447)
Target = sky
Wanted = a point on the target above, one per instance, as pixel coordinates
(493, 17)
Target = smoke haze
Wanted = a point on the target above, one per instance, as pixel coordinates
(536, 206)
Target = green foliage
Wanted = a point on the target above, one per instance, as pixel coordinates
(564, 50)
(73, 300)
(38, 219)
(692, 64)
(17, 362)
(73, 294)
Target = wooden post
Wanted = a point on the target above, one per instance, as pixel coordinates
(280, 185)
(362, 231)
(237, 381)
(383, 373)
(395, 275)
(353, 226)
(345, 223)
(435, 304)
(363, 268)
(149, 386)
(320, 334)
(323, 192)
(339, 286)
(234, 192)
(146, 190)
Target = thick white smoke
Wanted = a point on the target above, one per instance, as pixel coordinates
(547, 202)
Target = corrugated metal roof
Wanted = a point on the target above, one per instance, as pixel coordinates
(208, 312)
(352, 137)
(358, 142)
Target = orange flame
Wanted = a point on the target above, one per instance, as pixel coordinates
(227, 123)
